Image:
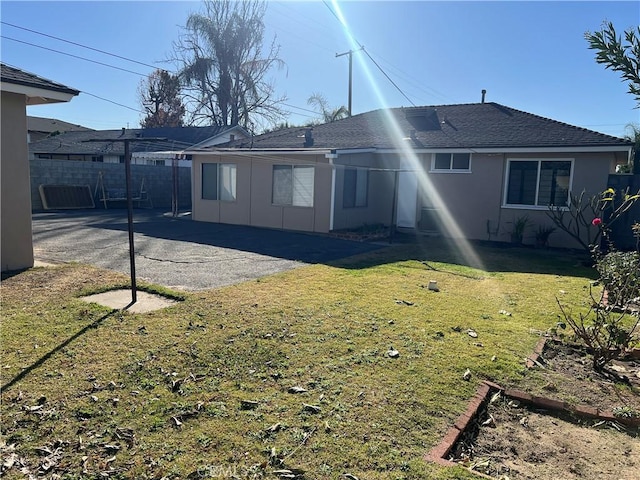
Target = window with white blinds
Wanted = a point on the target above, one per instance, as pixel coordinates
(293, 185)
(219, 181)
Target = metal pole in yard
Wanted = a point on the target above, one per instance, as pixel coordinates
(127, 169)
(132, 257)
(394, 208)
(175, 207)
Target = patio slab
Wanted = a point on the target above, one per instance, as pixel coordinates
(121, 300)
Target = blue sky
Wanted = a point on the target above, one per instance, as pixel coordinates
(527, 55)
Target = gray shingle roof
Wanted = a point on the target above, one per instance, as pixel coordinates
(88, 142)
(469, 126)
(49, 125)
(16, 76)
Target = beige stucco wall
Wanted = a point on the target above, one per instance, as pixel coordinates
(464, 204)
(468, 205)
(16, 246)
(379, 195)
(475, 200)
(590, 173)
(253, 205)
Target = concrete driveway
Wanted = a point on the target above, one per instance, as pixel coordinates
(178, 252)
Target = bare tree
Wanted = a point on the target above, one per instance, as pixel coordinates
(159, 95)
(223, 67)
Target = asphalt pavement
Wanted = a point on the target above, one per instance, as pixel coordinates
(178, 252)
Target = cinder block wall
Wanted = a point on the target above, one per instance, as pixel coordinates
(158, 180)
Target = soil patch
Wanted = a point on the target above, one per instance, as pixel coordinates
(509, 440)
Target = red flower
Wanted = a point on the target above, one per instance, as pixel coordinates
(596, 221)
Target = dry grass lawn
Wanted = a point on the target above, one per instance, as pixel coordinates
(204, 389)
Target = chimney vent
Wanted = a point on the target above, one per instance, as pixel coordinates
(308, 137)
(484, 92)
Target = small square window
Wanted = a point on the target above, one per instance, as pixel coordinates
(460, 161)
(442, 162)
(452, 162)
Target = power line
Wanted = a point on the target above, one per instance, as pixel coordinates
(300, 108)
(79, 45)
(100, 98)
(71, 55)
(115, 103)
(412, 81)
(332, 11)
(388, 77)
(370, 57)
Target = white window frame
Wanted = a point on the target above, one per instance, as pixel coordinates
(450, 169)
(300, 197)
(229, 169)
(535, 206)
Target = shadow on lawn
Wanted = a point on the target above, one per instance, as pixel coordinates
(493, 256)
(49, 354)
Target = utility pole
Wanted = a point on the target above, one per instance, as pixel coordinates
(350, 53)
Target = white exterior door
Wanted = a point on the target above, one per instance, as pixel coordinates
(407, 200)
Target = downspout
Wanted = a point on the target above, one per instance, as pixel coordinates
(331, 157)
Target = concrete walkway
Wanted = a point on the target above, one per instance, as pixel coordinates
(178, 252)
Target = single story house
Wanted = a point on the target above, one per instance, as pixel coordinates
(469, 171)
(95, 145)
(39, 128)
(19, 89)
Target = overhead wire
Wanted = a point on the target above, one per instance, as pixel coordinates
(110, 66)
(412, 81)
(72, 55)
(111, 101)
(80, 45)
(388, 77)
(370, 57)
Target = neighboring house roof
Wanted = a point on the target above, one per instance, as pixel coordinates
(464, 126)
(37, 89)
(96, 142)
(51, 125)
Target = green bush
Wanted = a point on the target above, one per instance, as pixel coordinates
(620, 275)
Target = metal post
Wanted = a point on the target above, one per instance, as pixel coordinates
(350, 79)
(175, 207)
(394, 210)
(132, 257)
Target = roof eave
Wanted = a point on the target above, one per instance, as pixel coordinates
(499, 149)
(38, 95)
(259, 151)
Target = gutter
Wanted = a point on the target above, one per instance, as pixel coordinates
(252, 152)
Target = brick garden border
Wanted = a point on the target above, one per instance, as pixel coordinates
(440, 452)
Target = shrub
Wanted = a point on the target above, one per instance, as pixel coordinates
(605, 333)
(620, 274)
(588, 218)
